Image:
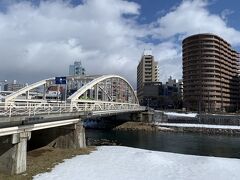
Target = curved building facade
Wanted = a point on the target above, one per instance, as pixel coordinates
(210, 74)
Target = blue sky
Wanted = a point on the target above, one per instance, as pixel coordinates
(152, 9)
(39, 39)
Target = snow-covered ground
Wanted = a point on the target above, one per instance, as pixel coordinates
(124, 163)
(181, 114)
(197, 125)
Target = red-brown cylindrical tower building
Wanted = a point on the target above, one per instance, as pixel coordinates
(210, 74)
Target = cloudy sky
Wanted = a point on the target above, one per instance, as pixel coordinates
(39, 39)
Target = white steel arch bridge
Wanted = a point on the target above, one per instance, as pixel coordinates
(96, 95)
(59, 107)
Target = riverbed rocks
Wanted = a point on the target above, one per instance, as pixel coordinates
(101, 142)
(134, 126)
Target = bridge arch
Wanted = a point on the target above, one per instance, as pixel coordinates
(14, 95)
(106, 94)
(109, 91)
(112, 88)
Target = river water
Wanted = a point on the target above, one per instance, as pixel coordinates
(184, 143)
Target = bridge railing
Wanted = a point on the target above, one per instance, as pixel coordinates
(31, 109)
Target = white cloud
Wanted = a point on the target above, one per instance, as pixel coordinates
(192, 16)
(37, 42)
(225, 13)
(189, 17)
(169, 57)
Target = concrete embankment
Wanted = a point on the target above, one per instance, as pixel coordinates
(194, 118)
(140, 126)
(203, 130)
(225, 124)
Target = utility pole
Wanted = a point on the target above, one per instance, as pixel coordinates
(148, 103)
(66, 91)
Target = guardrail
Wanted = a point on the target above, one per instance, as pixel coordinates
(31, 109)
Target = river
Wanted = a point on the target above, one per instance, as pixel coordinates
(184, 143)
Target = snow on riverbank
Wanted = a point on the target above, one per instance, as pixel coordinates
(118, 163)
(181, 114)
(198, 126)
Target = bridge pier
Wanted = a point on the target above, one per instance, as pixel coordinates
(13, 153)
(66, 137)
(146, 116)
(71, 136)
(13, 148)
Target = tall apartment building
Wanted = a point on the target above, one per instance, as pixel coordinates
(210, 74)
(76, 69)
(147, 72)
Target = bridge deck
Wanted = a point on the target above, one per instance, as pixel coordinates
(32, 113)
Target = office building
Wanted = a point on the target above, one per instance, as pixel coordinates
(14, 86)
(147, 72)
(163, 96)
(2, 83)
(210, 74)
(76, 69)
(172, 94)
(152, 93)
(174, 84)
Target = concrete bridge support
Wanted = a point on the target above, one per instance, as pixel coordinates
(13, 153)
(13, 148)
(146, 116)
(71, 136)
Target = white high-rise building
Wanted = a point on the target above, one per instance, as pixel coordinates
(147, 72)
(76, 69)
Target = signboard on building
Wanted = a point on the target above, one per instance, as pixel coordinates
(60, 80)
